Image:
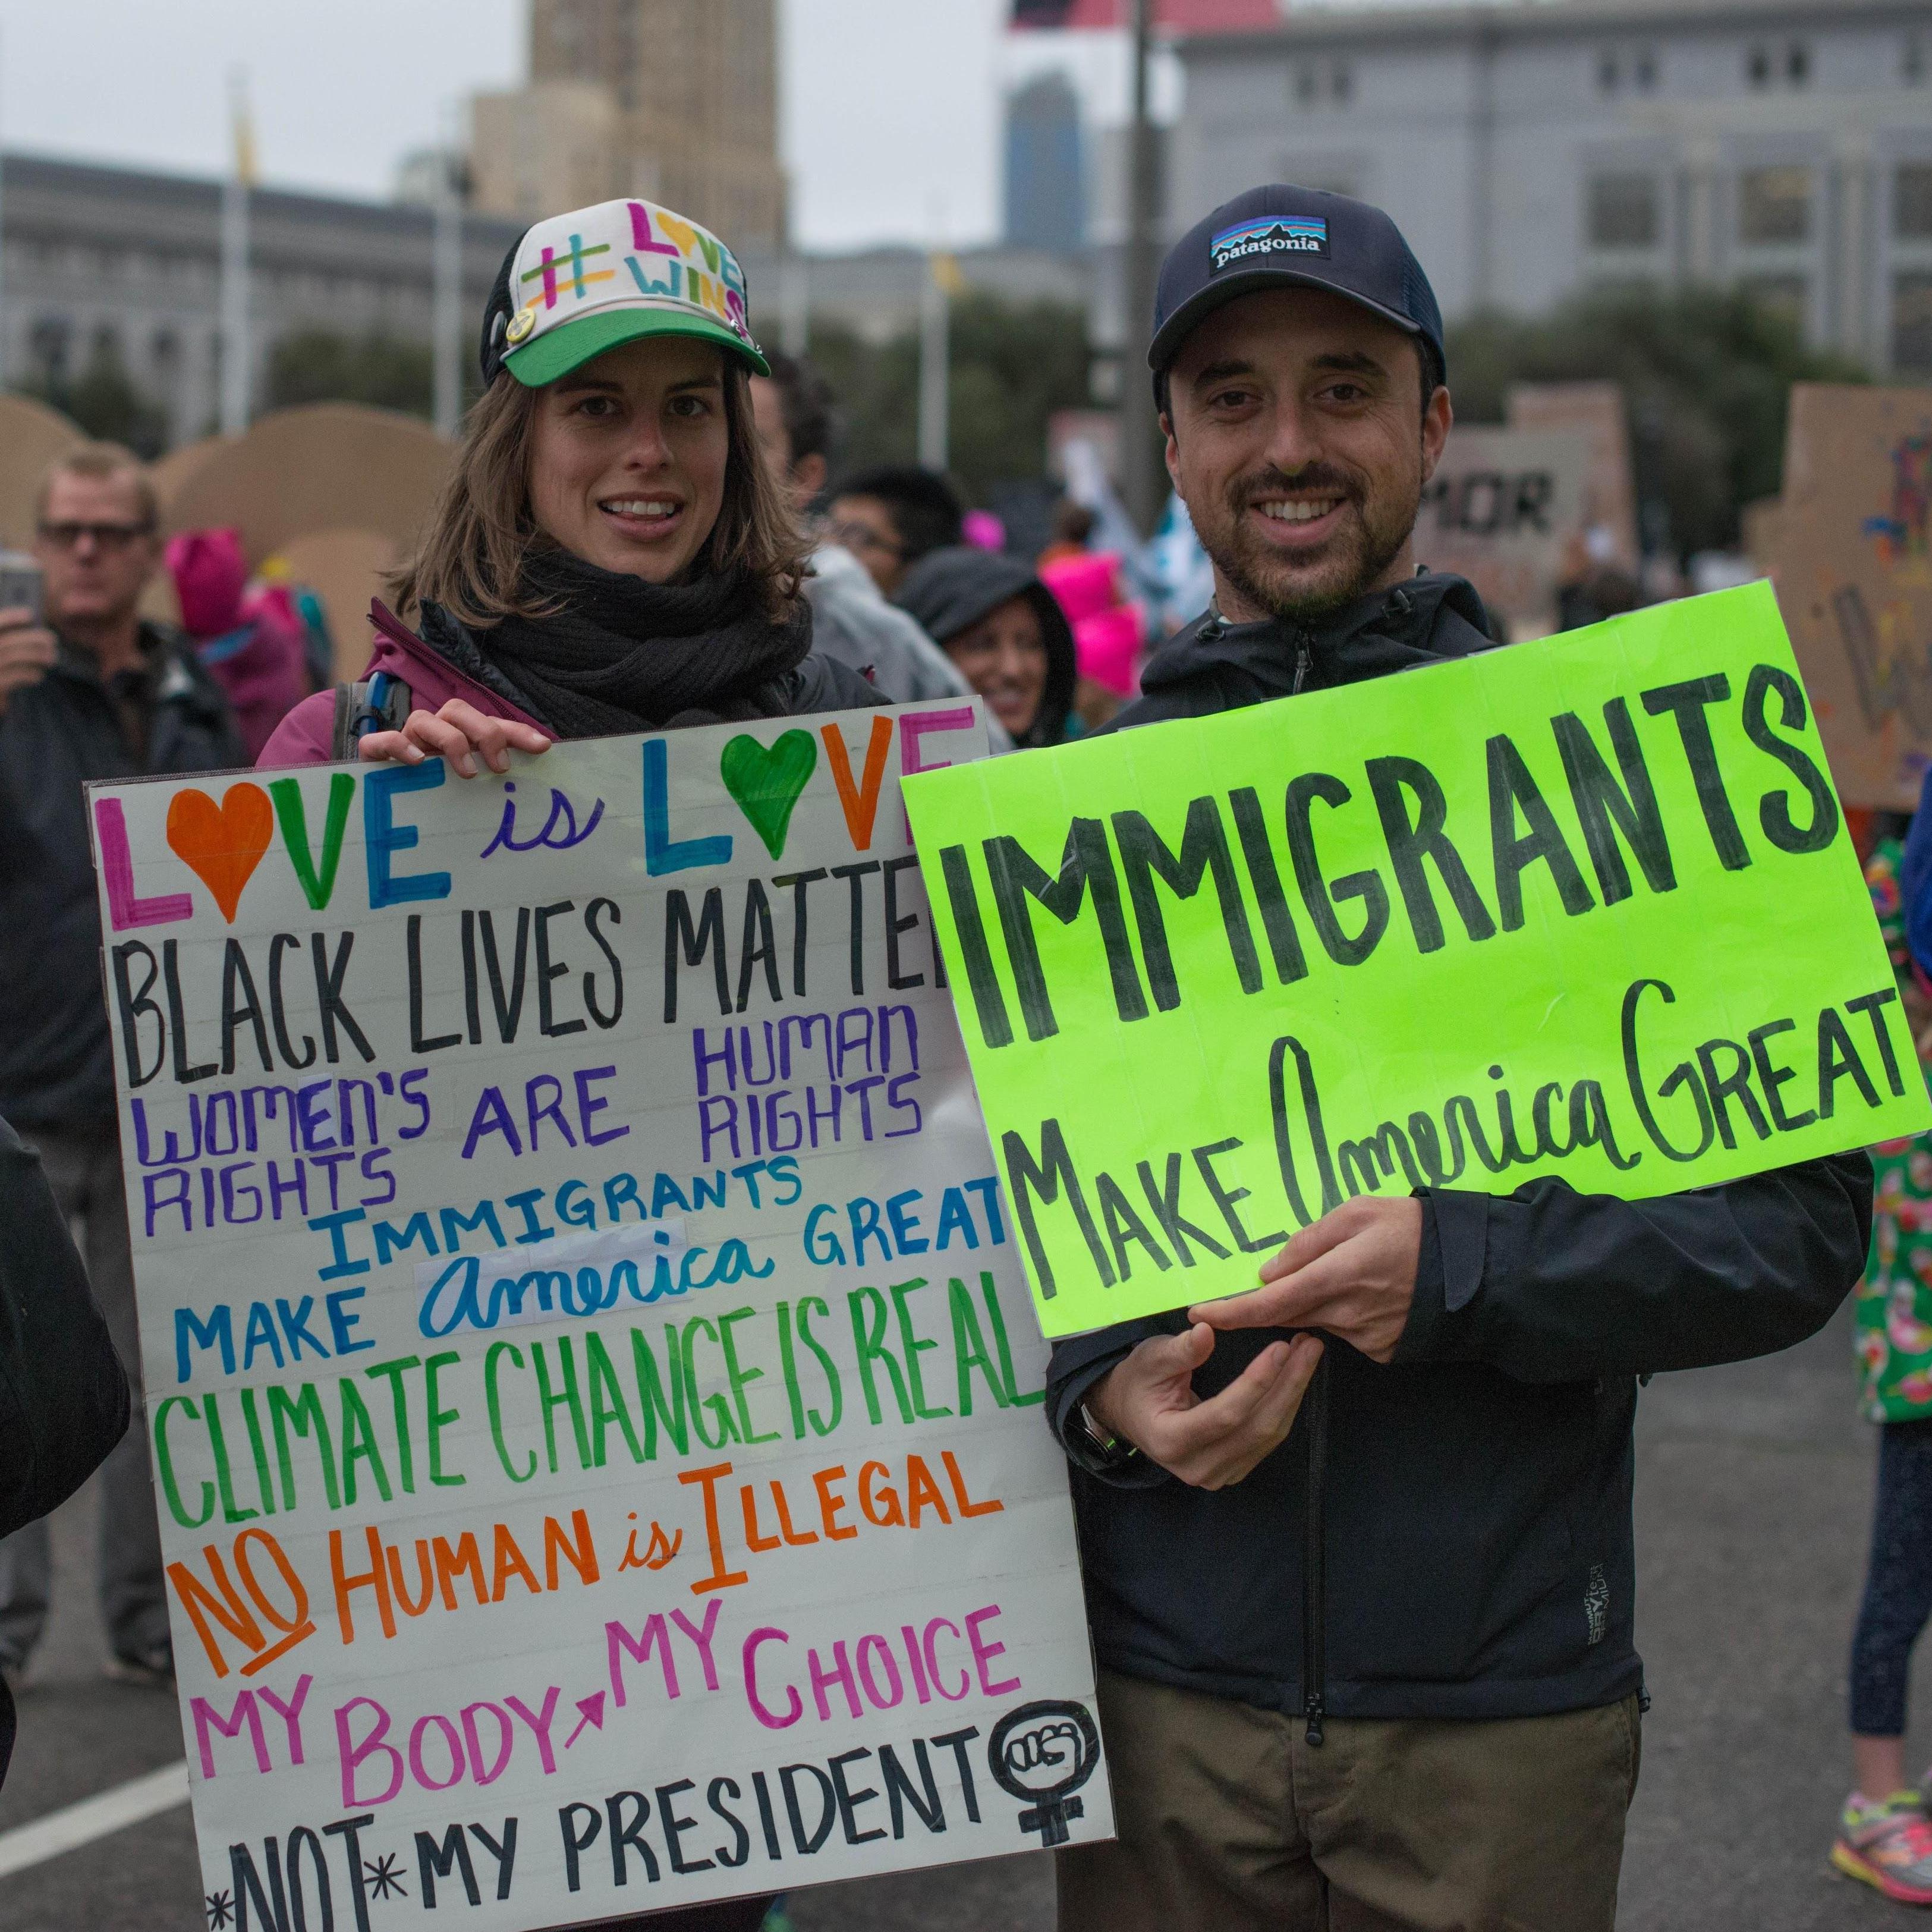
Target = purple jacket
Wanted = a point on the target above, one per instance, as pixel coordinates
(307, 736)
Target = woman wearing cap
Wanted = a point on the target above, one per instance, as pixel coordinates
(610, 553)
(1001, 627)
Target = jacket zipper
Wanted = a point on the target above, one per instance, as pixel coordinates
(1314, 1582)
(1314, 1590)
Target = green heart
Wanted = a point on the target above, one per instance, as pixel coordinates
(766, 781)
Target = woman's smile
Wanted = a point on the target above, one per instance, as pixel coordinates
(647, 519)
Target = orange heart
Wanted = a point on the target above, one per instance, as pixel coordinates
(223, 843)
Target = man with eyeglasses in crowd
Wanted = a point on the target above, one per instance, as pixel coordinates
(92, 691)
(889, 518)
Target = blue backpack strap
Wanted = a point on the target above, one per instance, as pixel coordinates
(379, 703)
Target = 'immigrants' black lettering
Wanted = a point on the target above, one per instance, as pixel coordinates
(1124, 861)
(1411, 840)
(1322, 897)
(1606, 807)
(1513, 790)
(1687, 703)
(989, 1004)
(1086, 868)
(1203, 849)
(1290, 963)
(1774, 810)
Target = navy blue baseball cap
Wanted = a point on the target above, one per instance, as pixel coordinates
(1302, 237)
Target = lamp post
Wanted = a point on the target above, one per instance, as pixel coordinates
(935, 358)
(446, 292)
(1141, 481)
(235, 354)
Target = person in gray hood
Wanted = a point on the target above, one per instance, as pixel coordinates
(1004, 632)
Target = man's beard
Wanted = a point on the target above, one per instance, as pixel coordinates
(1347, 565)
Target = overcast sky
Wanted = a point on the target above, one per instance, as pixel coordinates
(891, 108)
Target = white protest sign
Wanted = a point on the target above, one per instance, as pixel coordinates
(593, 1396)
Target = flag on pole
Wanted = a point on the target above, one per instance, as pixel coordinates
(1180, 17)
(237, 355)
(245, 132)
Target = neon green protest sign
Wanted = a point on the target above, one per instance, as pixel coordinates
(1585, 907)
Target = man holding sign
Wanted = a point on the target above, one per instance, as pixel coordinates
(1384, 1675)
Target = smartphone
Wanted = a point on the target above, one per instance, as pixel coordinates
(20, 584)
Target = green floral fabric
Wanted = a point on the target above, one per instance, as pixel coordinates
(1893, 1310)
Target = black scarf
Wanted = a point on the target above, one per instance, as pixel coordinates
(619, 654)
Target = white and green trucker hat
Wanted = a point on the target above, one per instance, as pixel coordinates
(579, 283)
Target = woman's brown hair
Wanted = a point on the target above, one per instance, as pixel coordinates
(470, 558)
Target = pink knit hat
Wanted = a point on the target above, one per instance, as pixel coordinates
(210, 572)
(1107, 632)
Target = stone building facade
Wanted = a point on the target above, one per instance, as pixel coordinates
(104, 257)
(681, 96)
(110, 257)
(1529, 150)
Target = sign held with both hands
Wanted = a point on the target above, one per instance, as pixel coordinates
(1585, 908)
(594, 1401)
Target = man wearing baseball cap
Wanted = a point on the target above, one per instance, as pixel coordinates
(1358, 1544)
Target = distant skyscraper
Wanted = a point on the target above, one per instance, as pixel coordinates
(673, 100)
(1046, 173)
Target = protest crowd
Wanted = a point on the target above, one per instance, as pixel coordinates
(1356, 1544)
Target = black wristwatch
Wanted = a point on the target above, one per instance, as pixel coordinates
(1109, 1452)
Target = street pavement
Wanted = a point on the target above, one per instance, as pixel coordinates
(1754, 1491)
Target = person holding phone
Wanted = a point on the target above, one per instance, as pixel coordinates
(88, 690)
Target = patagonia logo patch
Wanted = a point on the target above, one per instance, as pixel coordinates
(1269, 234)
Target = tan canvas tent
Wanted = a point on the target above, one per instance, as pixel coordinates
(345, 569)
(336, 490)
(170, 474)
(32, 436)
(323, 466)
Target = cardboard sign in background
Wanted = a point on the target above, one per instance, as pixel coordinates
(1585, 907)
(1853, 569)
(593, 1393)
(1596, 411)
(1505, 508)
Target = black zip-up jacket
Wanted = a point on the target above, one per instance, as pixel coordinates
(63, 1391)
(1448, 1535)
(55, 1067)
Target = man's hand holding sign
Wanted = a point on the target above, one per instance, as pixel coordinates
(1149, 1401)
(1352, 1275)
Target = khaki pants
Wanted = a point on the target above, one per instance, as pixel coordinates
(1228, 1819)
